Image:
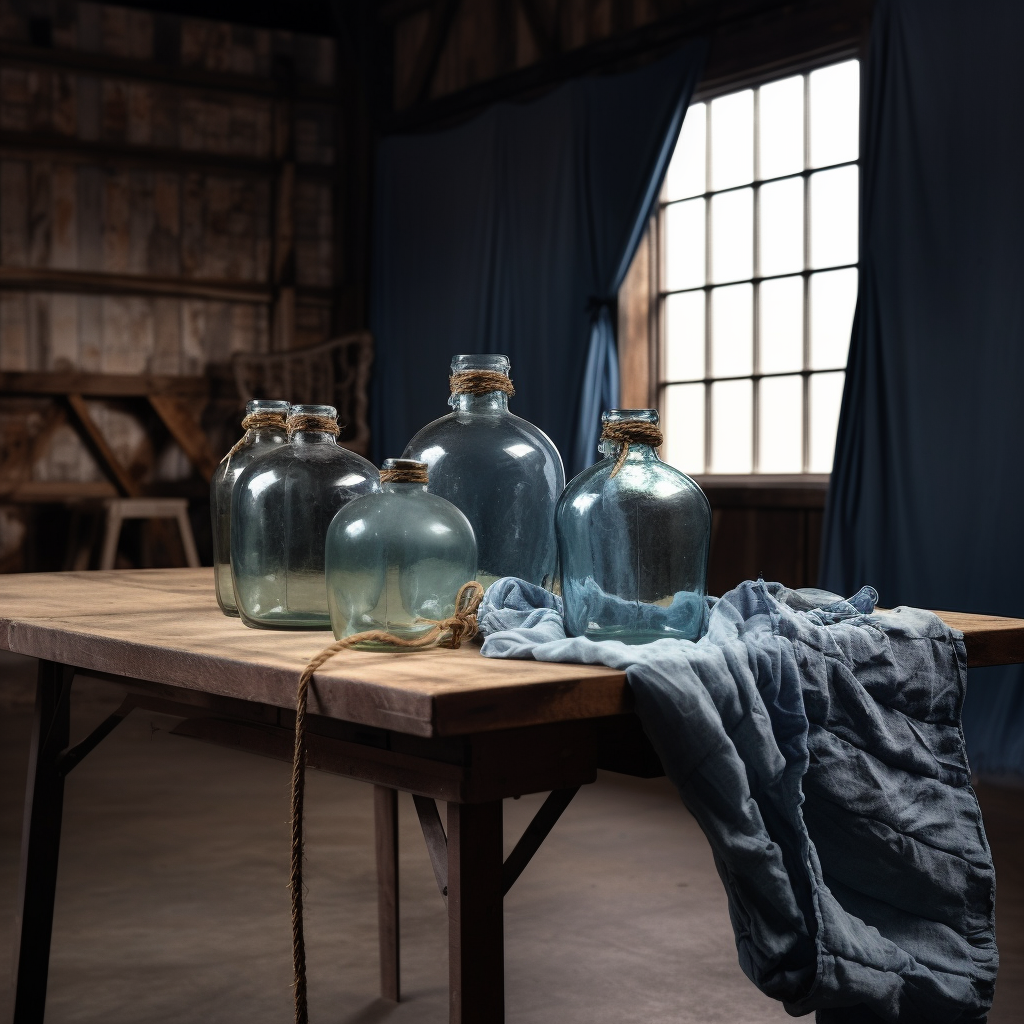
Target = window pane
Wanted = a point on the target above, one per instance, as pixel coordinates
(781, 325)
(684, 244)
(834, 217)
(732, 139)
(684, 427)
(732, 417)
(780, 119)
(732, 235)
(835, 106)
(685, 176)
(781, 212)
(732, 330)
(833, 298)
(684, 336)
(826, 394)
(780, 417)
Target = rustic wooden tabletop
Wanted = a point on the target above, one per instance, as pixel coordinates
(163, 625)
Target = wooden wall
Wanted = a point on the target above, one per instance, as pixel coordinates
(167, 198)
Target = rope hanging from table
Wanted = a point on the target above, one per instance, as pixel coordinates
(630, 433)
(450, 633)
(256, 421)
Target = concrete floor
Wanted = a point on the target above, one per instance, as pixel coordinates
(172, 904)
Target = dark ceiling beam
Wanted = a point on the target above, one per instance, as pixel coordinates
(544, 35)
(743, 21)
(442, 14)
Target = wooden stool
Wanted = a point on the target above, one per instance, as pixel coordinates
(120, 509)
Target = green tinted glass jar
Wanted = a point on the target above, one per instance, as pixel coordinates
(264, 425)
(281, 507)
(396, 559)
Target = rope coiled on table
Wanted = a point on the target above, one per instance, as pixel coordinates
(450, 633)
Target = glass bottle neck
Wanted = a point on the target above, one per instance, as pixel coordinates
(491, 402)
(301, 437)
(394, 487)
(637, 452)
(255, 436)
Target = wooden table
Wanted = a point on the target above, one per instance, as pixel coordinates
(442, 725)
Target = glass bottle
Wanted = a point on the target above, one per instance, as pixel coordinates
(282, 505)
(264, 423)
(396, 560)
(633, 540)
(500, 470)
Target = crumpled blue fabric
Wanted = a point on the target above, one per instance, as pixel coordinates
(818, 744)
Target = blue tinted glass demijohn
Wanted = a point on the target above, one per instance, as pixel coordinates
(500, 470)
(633, 539)
(396, 560)
(264, 429)
(282, 505)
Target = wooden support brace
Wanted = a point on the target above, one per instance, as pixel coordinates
(101, 450)
(535, 834)
(437, 842)
(73, 756)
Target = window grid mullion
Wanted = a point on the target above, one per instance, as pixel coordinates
(708, 326)
(755, 454)
(805, 413)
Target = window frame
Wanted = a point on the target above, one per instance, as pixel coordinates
(659, 292)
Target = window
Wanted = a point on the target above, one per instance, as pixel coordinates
(758, 227)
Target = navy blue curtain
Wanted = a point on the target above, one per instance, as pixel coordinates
(512, 233)
(927, 496)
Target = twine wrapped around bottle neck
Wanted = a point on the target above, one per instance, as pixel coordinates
(302, 421)
(450, 633)
(404, 476)
(480, 382)
(628, 433)
(257, 421)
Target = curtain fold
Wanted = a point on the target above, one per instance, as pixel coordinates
(927, 496)
(512, 233)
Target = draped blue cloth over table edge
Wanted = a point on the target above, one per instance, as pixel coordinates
(927, 496)
(512, 233)
(818, 744)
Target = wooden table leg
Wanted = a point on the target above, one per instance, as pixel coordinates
(385, 822)
(476, 941)
(40, 842)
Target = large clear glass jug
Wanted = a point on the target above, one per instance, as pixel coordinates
(264, 430)
(500, 470)
(281, 508)
(396, 560)
(633, 540)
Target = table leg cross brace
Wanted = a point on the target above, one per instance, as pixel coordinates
(529, 843)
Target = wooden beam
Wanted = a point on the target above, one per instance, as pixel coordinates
(94, 440)
(69, 147)
(545, 36)
(437, 842)
(385, 831)
(442, 14)
(187, 432)
(126, 67)
(104, 385)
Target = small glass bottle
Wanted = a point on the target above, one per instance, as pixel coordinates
(633, 540)
(264, 430)
(281, 508)
(500, 470)
(396, 560)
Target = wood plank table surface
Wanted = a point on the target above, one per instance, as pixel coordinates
(442, 725)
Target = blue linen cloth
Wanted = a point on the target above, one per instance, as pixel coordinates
(818, 744)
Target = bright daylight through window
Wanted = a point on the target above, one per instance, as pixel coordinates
(759, 275)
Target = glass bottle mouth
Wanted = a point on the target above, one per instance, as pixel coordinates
(268, 405)
(481, 361)
(631, 416)
(327, 411)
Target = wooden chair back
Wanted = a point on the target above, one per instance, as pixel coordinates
(336, 372)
